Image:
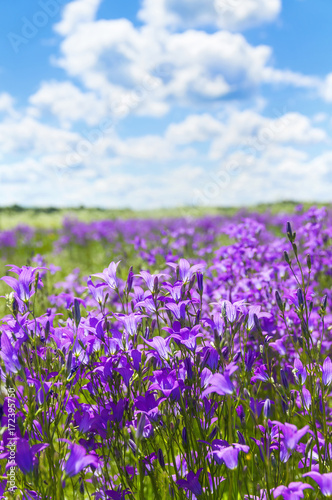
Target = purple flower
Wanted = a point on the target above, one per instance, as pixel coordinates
(294, 491)
(160, 345)
(184, 336)
(78, 460)
(185, 271)
(249, 359)
(150, 279)
(109, 275)
(226, 453)
(299, 371)
(327, 371)
(130, 322)
(221, 383)
(168, 383)
(306, 398)
(22, 284)
(178, 310)
(9, 354)
(229, 310)
(324, 481)
(256, 407)
(116, 494)
(25, 454)
(97, 291)
(261, 375)
(191, 483)
(291, 437)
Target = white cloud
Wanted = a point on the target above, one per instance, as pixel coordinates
(116, 60)
(326, 88)
(254, 133)
(68, 103)
(27, 136)
(77, 13)
(171, 63)
(225, 14)
(121, 62)
(7, 104)
(278, 174)
(195, 128)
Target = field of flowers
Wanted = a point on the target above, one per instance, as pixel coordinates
(174, 358)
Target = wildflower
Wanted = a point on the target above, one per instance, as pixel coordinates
(294, 491)
(327, 371)
(78, 460)
(228, 454)
(291, 437)
(221, 383)
(22, 285)
(324, 481)
(109, 275)
(191, 483)
(25, 456)
(185, 270)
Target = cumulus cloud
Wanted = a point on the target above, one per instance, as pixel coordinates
(77, 13)
(203, 82)
(68, 103)
(170, 60)
(326, 88)
(115, 59)
(7, 103)
(226, 14)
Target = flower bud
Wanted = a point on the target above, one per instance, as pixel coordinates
(189, 368)
(132, 446)
(308, 445)
(284, 380)
(241, 438)
(161, 459)
(69, 362)
(184, 436)
(309, 261)
(286, 257)
(289, 231)
(300, 298)
(267, 410)
(279, 301)
(213, 433)
(77, 312)
(130, 279)
(140, 426)
(199, 281)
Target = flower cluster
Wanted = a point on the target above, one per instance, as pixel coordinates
(205, 373)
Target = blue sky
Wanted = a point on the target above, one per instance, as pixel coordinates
(155, 103)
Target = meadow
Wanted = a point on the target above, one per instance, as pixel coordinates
(157, 356)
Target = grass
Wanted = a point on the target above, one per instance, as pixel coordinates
(51, 218)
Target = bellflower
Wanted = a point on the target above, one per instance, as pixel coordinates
(294, 491)
(291, 437)
(191, 483)
(226, 453)
(221, 383)
(185, 270)
(22, 285)
(324, 481)
(327, 371)
(78, 460)
(109, 275)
